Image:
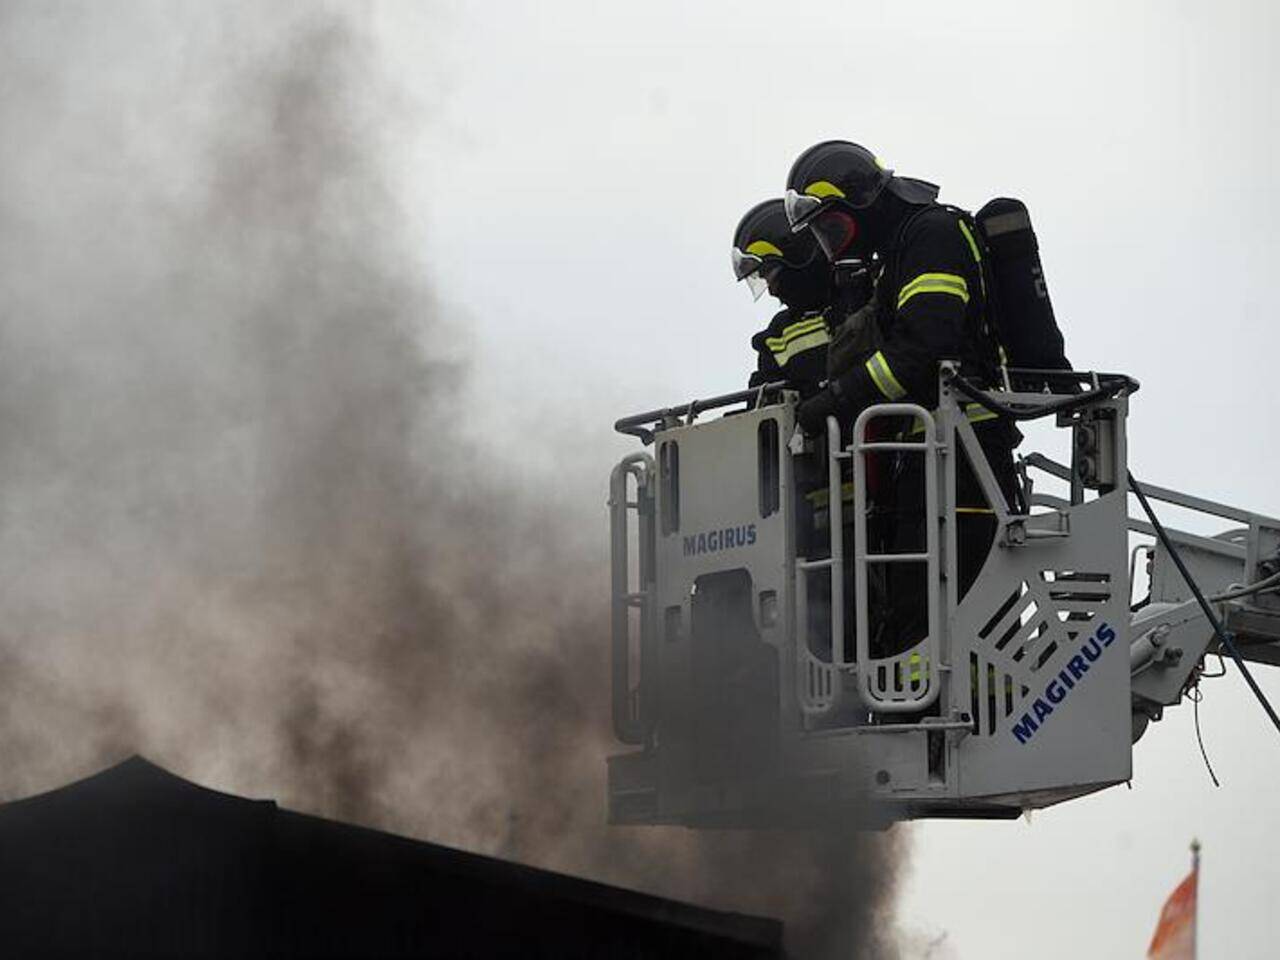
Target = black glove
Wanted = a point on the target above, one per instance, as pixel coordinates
(853, 341)
(812, 414)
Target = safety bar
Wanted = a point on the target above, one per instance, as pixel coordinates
(1032, 406)
(1164, 494)
(632, 715)
(1223, 548)
(637, 425)
(1217, 545)
(1068, 381)
(834, 564)
(907, 682)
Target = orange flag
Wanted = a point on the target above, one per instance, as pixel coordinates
(1175, 936)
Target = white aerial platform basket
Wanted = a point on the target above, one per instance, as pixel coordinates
(737, 679)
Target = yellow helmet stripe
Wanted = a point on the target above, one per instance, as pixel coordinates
(763, 248)
(823, 188)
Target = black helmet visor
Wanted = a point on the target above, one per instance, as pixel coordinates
(745, 264)
(757, 284)
(762, 256)
(835, 231)
(800, 208)
(759, 270)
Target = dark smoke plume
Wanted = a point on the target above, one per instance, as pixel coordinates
(243, 529)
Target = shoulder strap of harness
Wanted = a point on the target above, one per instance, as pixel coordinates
(988, 322)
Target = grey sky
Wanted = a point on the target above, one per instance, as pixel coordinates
(580, 182)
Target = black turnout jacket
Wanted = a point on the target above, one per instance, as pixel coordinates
(793, 348)
(932, 301)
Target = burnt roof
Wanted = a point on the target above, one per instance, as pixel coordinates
(136, 861)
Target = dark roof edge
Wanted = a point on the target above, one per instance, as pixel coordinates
(740, 926)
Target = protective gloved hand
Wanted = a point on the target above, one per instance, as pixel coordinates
(812, 414)
(853, 341)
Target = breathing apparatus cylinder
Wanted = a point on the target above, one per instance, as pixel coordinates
(1023, 313)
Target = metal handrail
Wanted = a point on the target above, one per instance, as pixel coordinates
(1024, 406)
(637, 425)
(630, 725)
(834, 561)
(876, 698)
(834, 564)
(1163, 494)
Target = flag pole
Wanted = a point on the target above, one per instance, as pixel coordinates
(1195, 917)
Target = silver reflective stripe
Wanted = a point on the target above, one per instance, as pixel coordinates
(1007, 223)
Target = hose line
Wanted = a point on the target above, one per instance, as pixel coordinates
(1262, 586)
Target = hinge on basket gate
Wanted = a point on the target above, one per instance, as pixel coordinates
(1021, 531)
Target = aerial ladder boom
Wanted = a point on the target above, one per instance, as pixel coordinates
(1238, 570)
(751, 673)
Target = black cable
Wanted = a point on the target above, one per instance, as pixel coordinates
(1222, 669)
(1224, 637)
(1196, 696)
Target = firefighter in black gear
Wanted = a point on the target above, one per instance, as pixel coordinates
(770, 256)
(931, 307)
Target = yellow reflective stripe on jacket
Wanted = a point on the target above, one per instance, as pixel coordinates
(883, 378)
(795, 329)
(798, 345)
(977, 413)
(973, 244)
(977, 256)
(949, 283)
(797, 338)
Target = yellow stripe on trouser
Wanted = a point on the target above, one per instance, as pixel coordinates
(948, 283)
(914, 673)
(973, 683)
(882, 376)
(974, 413)
(820, 498)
